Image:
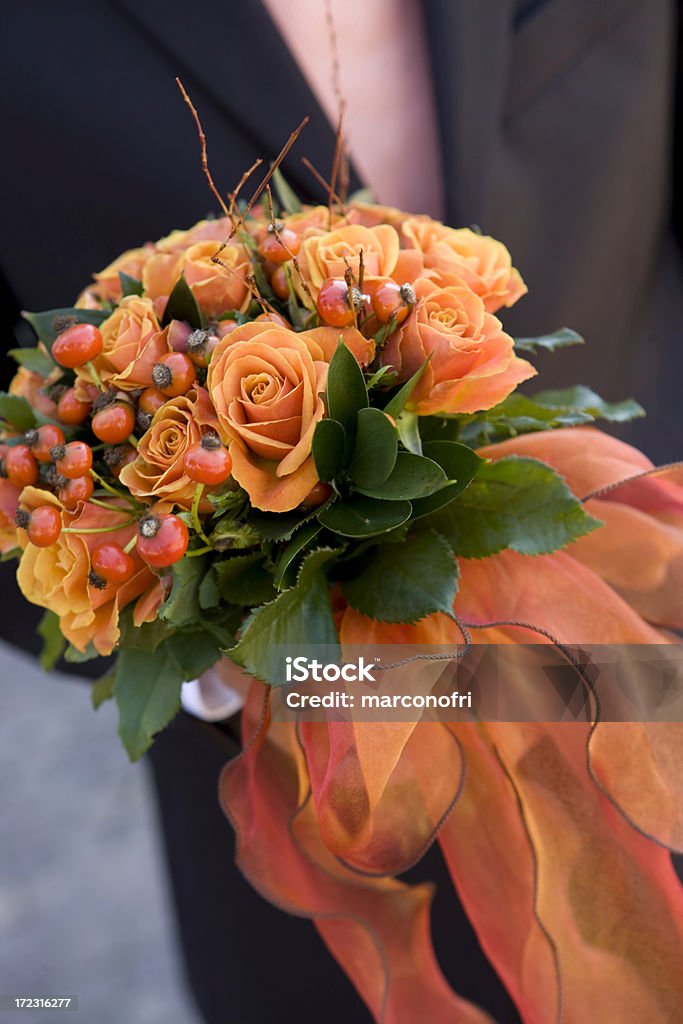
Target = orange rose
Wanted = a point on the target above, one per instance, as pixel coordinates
(329, 255)
(30, 386)
(265, 383)
(57, 577)
(472, 363)
(217, 287)
(133, 342)
(205, 230)
(107, 287)
(460, 256)
(157, 472)
(9, 502)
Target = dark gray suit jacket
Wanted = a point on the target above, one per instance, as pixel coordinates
(558, 130)
(557, 127)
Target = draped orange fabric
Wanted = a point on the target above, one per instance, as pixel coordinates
(556, 835)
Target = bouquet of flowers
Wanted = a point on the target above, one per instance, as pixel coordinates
(296, 424)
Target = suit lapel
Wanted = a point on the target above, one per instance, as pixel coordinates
(234, 56)
(468, 42)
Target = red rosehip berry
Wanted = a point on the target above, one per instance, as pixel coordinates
(43, 525)
(73, 459)
(112, 563)
(77, 345)
(279, 250)
(162, 540)
(174, 374)
(392, 300)
(43, 440)
(334, 303)
(21, 467)
(71, 409)
(114, 423)
(208, 461)
(74, 491)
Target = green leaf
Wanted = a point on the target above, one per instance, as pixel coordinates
(585, 400)
(374, 455)
(329, 445)
(76, 657)
(346, 391)
(16, 411)
(129, 285)
(409, 431)
(146, 637)
(301, 615)
(459, 463)
(33, 359)
(229, 535)
(182, 608)
(397, 404)
(228, 501)
(283, 526)
(45, 324)
(519, 414)
(288, 198)
(516, 503)
(296, 545)
(384, 377)
(423, 580)
(209, 593)
(549, 342)
(103, 689)
(147, 685)
(364, 517)
(413, 476)
(182, 305)
(54, 643)
(243, 580)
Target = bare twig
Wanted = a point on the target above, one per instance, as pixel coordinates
(202, 141)
(322, 181)
(232, 196)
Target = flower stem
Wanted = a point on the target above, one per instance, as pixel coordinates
(97, 380)
(107, 505)
(112, 490)
(98, 529)
(132, 440)
(195, 514)
(131, 544)
(197, 551)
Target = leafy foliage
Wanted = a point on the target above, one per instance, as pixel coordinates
(34, 359)
(17, 412)
(421, 581)
(515, 503)
(182, 305)
(549, 342)
(49, 323)
(293, 617)
(54, 643)
(361, 516)
(129, 285)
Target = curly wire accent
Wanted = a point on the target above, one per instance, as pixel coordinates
(631, 479)
(563, 648)
(458, 656)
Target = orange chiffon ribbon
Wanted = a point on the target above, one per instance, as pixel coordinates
(557, 836)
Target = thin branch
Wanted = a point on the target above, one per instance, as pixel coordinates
(291, 255)
(202, 141)
(322, 181)
(269, 174)
(232, 196)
